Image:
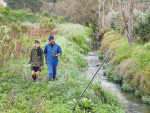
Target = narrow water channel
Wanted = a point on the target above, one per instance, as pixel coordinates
(134, 104)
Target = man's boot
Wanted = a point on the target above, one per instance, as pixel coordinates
(34, 77)
(50, 79)
(54, 78)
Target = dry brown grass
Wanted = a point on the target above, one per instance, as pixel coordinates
(14, 46)
(106, 42)
(43, 32)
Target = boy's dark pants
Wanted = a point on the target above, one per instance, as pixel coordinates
(35, 69)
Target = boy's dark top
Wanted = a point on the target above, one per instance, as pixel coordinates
(36, 57)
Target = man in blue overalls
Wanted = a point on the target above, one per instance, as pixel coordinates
(52, 51)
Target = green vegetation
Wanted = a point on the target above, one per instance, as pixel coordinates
(141, 29)
(34, 5)
(9, 16)
(24, 95)
(127, 64)
(15, 16)
(19, 93)
(77, 35)
(45, 13)
(144, 1)
(47, 23)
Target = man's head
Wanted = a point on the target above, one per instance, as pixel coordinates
(37, 43)
(51, 39)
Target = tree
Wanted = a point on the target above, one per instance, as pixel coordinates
(125, 8)
(128, 23)
(81, 11)
(103, 13)
(34, 5)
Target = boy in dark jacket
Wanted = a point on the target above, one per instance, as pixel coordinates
(36, 60)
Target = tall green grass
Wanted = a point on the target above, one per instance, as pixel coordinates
(78, 34)
(18, 93)
(128, 64)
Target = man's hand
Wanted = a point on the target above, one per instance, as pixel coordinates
(41, 67)
(56, 55)
(29, 65)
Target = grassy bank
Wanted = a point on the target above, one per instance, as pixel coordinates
(129, 65)
(7, 15)
(18, 93)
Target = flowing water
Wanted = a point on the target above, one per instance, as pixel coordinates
(133, 103)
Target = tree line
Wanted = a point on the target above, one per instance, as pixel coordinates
(34, 5)
(101, 14)
(98, 14)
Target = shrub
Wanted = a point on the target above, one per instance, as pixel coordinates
(44, 20)
(145, 82)
(118, 29)
(127, 87)
(18, 23)
(147, 46)
(37, 14)
(28, 10)
(84, 104)
(1, 17)
(61, 19)
(51, 25)
(104, 73)
(15, 28)
(7, 9)
(54, 16)
(100, 55)
(146, 99)
(138, 15)
(43, 23)
(91, 24)
(67, 19)
(137, 93)
(141, 29)
(45, 13)
(24, 28)
(46, 24)
(5, 13)
(3, 32)
(51, 19)
(20, 15)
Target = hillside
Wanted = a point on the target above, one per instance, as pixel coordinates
(128, 64)
(10, 16)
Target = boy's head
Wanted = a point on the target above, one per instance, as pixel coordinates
(37, 43)
(51, 39)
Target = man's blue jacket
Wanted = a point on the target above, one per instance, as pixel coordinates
(49, 50)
